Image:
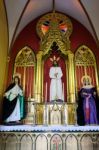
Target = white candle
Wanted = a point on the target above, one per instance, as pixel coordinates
(66, 114)
(46, 92)
(35, 92)
(63, 91)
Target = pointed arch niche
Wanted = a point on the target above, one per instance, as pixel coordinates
(85, 64)
(25, 67)
(47, 65)
(54, 30)
(56, 142)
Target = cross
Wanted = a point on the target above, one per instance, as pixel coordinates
(56, 141)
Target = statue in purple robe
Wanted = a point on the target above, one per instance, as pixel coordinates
(87, 109)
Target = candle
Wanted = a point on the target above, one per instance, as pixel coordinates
(46, 92)
(63, 91)
(66, 114)
(30, 81)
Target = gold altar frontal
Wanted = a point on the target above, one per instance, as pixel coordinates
(54, 113)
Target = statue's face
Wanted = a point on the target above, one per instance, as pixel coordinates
(86, 81)
(16, 80)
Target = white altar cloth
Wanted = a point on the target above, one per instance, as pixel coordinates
(49, 128)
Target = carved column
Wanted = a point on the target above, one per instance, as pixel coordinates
(97, 80)
(38, 86)
(71, 79)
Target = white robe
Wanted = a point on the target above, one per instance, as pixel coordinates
(56, 83)
(15, 115)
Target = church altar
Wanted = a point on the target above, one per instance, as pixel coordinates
(51, 124)
(51, 128)
(51, 137)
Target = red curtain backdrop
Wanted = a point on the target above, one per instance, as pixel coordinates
(20, 70)
(29, 82)
(27, 73)
(47, 65)
(80, 72)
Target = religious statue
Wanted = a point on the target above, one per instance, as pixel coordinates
(87, 109)
(13, 102)
(55, 73)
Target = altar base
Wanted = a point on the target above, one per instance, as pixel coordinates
(23, 137)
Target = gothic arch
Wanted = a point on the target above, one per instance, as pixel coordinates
(56, 142)
(85, 64)
(86, 142)
(11, 144)
(71, 139)
(41, 142)
(25, 66)
(26, 141)
(53, 33)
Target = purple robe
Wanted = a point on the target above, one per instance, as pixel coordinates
(88, 95)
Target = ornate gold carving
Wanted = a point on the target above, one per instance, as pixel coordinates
(25, 58)
(55, 28)
(39, 55)
(63, 113)
(58, 29)
(84, 56)
(54, 21)
(39, 114)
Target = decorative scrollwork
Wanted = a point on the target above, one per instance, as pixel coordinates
(54, 27)
(84, 56)
(54, 20)
(25, 58)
